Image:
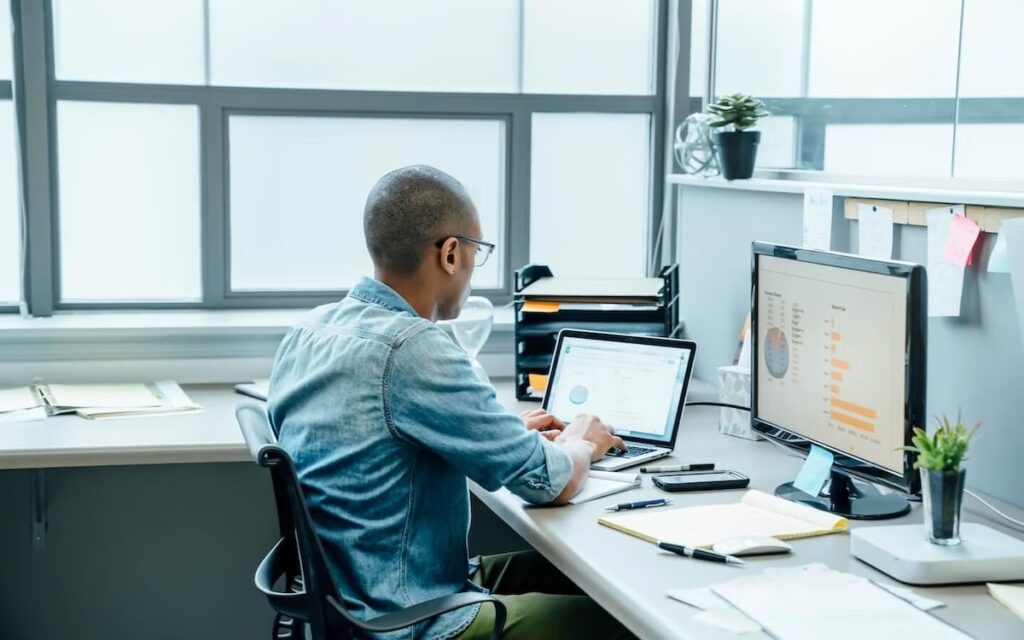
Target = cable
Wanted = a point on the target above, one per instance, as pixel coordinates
(998, 512)
(717, 404)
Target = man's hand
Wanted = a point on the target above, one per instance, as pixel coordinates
(590, 429)
(540, 420)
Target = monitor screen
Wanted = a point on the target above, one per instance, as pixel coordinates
(832, 345)
(636, 388)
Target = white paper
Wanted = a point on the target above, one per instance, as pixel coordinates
(1014, 231)
(17, 399)
(874, 231)
(605, 483)
(818, 219)
(715, 612)
(919, 601)
(999, 259)
(24, 415)
(945, 280)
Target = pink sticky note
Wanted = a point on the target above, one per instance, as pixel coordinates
(963, 233)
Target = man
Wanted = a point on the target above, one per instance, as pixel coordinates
(386, 419)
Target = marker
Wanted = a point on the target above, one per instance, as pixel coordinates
(699, 554)
(708, 466)
(643, 504)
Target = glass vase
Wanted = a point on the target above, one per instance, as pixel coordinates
(943, 495)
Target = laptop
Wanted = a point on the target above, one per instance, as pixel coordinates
(635, 384)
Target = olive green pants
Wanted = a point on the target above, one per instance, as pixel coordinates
(540, 602)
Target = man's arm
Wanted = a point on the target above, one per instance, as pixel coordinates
(587, 439)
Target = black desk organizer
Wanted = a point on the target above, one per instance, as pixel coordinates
(536, 332)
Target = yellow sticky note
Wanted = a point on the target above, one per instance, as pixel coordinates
(540, 306)
(538, 381)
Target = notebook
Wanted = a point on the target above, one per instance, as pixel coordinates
(258, 389)
(756, 514)
(605, 483)
(96, 401)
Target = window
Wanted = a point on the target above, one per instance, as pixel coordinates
(10, 223)
(298, 186)
(218, 153)
(871, 87)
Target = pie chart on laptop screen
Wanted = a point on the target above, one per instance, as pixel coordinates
(776, 352)
(578, 394)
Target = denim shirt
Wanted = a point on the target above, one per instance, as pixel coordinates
(385, 419)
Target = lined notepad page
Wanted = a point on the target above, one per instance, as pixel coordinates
(757, 514)
(605, 483)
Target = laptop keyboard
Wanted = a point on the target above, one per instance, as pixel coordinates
(631, 452)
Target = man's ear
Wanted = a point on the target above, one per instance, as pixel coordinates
(448, 257)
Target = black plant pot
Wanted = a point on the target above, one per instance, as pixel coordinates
(943, 496)
(737, 152)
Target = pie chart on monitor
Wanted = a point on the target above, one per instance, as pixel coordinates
(578, 394)
(776, 352)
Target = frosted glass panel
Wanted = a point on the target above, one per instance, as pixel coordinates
(881, 48)
(588, 46)
(159, 41)
(989, 151)
(590, 193)
(889, 150)
(129, 201)
(442, 45)
(759, 47)
(299, 185)
(992, 41)
(778, 140)
(10, 227)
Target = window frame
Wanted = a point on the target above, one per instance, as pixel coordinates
(39, 90)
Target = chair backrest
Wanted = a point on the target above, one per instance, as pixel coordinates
(298, 556)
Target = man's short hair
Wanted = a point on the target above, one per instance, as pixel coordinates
(409, 210)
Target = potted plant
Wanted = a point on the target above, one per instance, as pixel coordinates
(940, 457)
(737, 147)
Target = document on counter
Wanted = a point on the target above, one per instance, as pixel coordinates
(945, 279)
(818, 219)
(874, 231)
(605, 483)
(95, 401)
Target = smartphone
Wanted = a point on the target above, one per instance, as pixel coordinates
(701, 480)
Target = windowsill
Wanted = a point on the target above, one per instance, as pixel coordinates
(779, 182)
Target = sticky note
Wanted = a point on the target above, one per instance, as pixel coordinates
(538, 382)
(999, 260)
(945, 280)
(963, 233)
(874, 231)
(818, 219)
(815, 472)
(540, 306)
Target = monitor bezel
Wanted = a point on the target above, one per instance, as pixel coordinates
(601, 336)
(914, 361)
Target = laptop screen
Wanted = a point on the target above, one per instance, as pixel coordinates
(635, 388)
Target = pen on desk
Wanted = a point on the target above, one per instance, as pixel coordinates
(643, 504)
(708, 466)
(699, 554)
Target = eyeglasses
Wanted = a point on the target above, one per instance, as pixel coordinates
(483, 249)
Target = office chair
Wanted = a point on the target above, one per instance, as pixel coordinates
(309, 606)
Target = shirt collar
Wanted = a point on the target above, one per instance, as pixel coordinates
(375, 292)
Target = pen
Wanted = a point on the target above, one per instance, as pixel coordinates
(706, 466)
(643, 504)
(699, 554)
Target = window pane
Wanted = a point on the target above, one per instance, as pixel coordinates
(778, 140)
(590, 193)
(699, 48)
(892, 150)
(443, 45)
(129, 201)
(157, 41)
(991, 42)
(299, 185)
(6, 45)
(989, 151)
(759, 47)
(880, 48)
(588, 46)
(10, 226)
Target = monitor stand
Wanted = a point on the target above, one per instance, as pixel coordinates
(845, 497)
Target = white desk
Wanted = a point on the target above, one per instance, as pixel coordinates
(625, 575)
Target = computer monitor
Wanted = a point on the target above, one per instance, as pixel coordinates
(838, 361)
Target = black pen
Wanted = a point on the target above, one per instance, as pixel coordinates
(643, 504)
(704, 466)
(699, 554)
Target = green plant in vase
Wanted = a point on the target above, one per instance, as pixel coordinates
(735, 145)
(940, 458)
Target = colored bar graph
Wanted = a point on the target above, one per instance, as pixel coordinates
(836, 336)
(837, 376)
(853, 422)
(835, 388)
(854, 408)
(840, 364)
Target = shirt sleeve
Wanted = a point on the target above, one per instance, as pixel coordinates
(435, 400)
